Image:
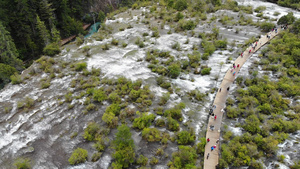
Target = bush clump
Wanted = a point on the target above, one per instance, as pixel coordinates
(22, 163)
(91, 131)
(51, 49)
(78, 156)
(151, 134)
(184, 158)
(205, 71)
(80, 66)
(185, 137)
(143, 121)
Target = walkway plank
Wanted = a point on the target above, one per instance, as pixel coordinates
(220, 102)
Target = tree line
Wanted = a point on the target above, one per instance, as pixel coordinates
(28, 26)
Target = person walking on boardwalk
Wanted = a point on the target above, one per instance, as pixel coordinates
(220, 90)
(233, 73)
(238, 65)
(250, 51)
(233, 65)
(227, 88)
(215, 117)
(242, 54)
(212, 148)
(207, 156)
(208, 140)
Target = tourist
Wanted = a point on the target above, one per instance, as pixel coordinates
(212, 148)
(238, 65)
(217, 141)
(220, 90)
(215, 117)
(242, 54)
(233, 73)
(208, 139)
(207, 156)
(215, 146)
(227, 90)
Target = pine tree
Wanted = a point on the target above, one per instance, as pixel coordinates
(42, 30)
(8, 52)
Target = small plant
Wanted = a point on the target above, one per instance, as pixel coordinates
(78, 156)
(80, 66)
(176, 46)
(153, 161)
(205, 71)
(105, 47)
(151, 134)
(22, 163)
(142, 160)
(16, 78)
(96, 156)
(114, 42)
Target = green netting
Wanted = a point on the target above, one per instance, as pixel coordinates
(94, 28)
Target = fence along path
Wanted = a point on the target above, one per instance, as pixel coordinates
(212, 161)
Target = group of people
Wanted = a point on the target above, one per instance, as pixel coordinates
(232, 70)
(212, 147)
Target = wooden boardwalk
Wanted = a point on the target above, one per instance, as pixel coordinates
(220, 100)
(66, 40)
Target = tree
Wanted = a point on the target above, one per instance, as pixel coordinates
(123, 138)
(8, 52)
(286, 19)
(124, 146)
(101, 16)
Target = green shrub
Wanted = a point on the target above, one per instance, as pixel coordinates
(151, 134)
(101, 16)
(184, 137)
(22, 163)
(200, 148)
(143, 121)
(91, 131)
(99, 95)
(79, 40)
(6, 71)
(184, 158)
(110, 119)
(172, 124)
(114, 42)
(160, 122)
(96, 156)
(99, 145)
(51, 49)
(16, 78)
(78, 156)
(153, 161)
(80, 66)
(186, 25)
(205, 71)
(142, 160)
(114, 108)
(287, 19)
(174, 70)
(266, 26)
(178, 16)
(175, 113)
(180, 5)
(221, 44)
(259, 9)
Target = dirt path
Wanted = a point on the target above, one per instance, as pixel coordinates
(212, 161)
